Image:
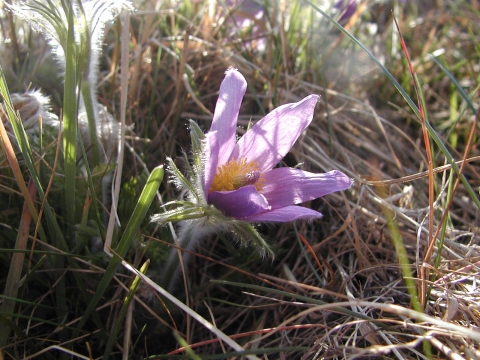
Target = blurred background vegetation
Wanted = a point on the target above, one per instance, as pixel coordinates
(391, 271)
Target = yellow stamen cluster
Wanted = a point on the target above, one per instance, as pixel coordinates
(233, 175)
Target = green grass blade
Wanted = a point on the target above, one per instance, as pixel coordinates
(16, 266)
(24, 147)
(455, 82)
(123, 311)
(70, 122)
(405, 266)
(184, 344)
(91, 186)
(87, 98)
(70, 152)
(131, 231)
(5, 321)
(307, 258)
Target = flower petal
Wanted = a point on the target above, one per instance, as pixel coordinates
(287, 186)
(245, 201)
(210, 160)
(224, 123)
(269, 140)
(285, 214)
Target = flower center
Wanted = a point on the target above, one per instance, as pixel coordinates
(233, 175)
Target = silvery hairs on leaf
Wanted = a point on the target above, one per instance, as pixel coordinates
(99, 130)
(51, 19)
(31, 105)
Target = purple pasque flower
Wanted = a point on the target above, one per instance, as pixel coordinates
(230, 184)
(239, 177)
(247, 17)
(246, 12)
(347, 8)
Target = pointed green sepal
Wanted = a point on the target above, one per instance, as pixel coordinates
(187, 212)
(180, 180)
(197, 136)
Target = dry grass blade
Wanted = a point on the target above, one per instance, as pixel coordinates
(424, 271)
